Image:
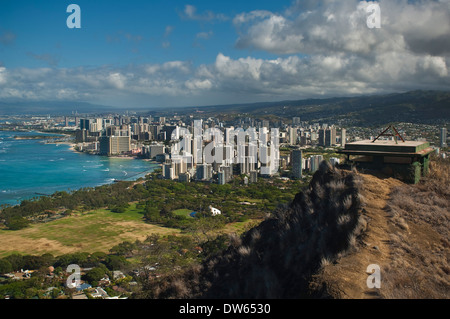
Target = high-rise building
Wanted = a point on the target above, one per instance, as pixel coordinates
(253, 176)
(330, 136)
(227, 172)
(204, 172)
(297, 164)
(292, 135)
(314, 162)
(179, 164)
(81, 136)
(296, 121)
(156, 149)
(184, 177)
(114, 145)
(443, 137)
(84, 124)
(270, 156)
(221, 180)
(168, 170)
(321, 138)
(96, 125)
(168, 129)
(248, 164)
(343, 136)
(327, 136)
(197, 142)
(154, 130)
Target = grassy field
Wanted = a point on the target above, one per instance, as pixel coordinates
(183, 212)
(92, 231)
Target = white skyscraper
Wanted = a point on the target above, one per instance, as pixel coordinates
(443, 137)
(197, 142)
(292, 135)
(343, 136)
(270, 153)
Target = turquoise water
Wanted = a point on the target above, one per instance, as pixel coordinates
(31, 167)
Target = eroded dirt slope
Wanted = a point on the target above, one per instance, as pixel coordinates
(406, 235)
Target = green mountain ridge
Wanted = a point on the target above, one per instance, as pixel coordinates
(428, 107)
(413, 106)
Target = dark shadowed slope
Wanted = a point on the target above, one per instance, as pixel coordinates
(277, 258)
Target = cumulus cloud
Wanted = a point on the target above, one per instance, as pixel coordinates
(311, 27)
(97, 84)
(323, 49)
(195, 84)
(229, 80)
(2, 75)
(329, 42)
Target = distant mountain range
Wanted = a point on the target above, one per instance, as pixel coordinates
(413, 106)
(53, 108)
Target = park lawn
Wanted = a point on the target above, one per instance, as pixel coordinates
(183, 212)
(97, 230)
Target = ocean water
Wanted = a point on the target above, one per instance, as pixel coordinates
(30, 168)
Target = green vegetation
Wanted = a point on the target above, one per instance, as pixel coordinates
(47, 283)
(154, 256)
(137, 227)
(182, 212)
(278, 257)
(90, 231)
(169, 203)
(16, 223)
(158, 199)
(414, 107)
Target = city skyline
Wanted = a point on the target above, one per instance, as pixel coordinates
(159, 54)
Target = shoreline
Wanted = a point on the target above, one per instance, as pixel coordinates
(147, 169)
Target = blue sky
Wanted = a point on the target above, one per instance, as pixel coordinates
(177, 53)
(122, 32)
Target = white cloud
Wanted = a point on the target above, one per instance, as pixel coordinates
(2, 75)
(229, 80)
(341, 26)
(196, 84)
(324, 49)
(117, 80)
(190, 13)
